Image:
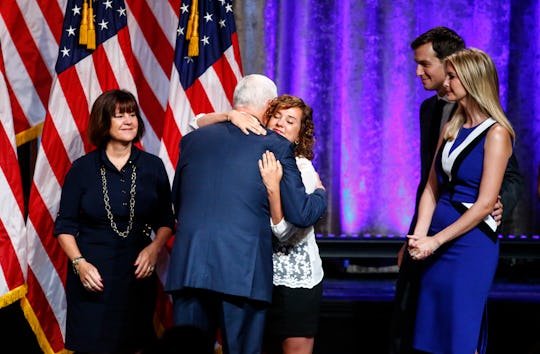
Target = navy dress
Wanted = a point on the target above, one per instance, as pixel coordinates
(120, 319)
(456, 279)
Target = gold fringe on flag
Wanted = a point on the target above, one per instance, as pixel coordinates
(29, 134)
(191, 18)
(193, 30)
(91, 29)
(36, 328)
(158, 324)
(13, 295)
(83, 30)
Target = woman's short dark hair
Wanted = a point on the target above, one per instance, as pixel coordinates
(104, 109)
(306, 140)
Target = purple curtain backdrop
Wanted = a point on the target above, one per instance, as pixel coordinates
(351, 61)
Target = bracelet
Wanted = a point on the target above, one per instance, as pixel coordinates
(74, 262)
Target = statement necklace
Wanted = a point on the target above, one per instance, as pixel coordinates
(106, 200)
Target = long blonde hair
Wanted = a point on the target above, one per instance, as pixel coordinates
(479, 78)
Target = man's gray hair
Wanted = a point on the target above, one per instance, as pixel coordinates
(254, 91)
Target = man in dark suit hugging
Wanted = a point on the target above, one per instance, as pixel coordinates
(220, 273)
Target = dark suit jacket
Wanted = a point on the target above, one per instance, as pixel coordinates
(223, 240)
(429, 134)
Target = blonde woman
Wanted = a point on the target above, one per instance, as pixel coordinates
(455, 235)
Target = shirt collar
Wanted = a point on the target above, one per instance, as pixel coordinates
(133, 157)
(444, 98)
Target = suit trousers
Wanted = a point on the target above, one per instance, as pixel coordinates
(405, 305)
(241, 320)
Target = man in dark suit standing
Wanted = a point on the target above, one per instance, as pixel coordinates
(430, 49)
(220, 273)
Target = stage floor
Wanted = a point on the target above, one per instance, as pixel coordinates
(357, 308)
(358, 299)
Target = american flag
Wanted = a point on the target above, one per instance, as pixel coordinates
(53, 80)
(12, 228)
(205, 82)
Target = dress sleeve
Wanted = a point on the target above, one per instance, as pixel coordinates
(67, 219)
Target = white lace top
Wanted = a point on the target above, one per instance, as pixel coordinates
(297, 263)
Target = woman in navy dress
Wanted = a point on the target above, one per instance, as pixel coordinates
(112, 198)
(455, 235)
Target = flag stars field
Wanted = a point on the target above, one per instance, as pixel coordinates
(70, 31)
(103, 25)
(76, 10)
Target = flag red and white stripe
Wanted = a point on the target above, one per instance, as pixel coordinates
(29, 35)
(12, 227)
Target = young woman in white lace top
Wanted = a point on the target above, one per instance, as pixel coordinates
(292, 319)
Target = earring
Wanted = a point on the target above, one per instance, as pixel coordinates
(296, 142)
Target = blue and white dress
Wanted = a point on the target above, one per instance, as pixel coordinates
(456, 279)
